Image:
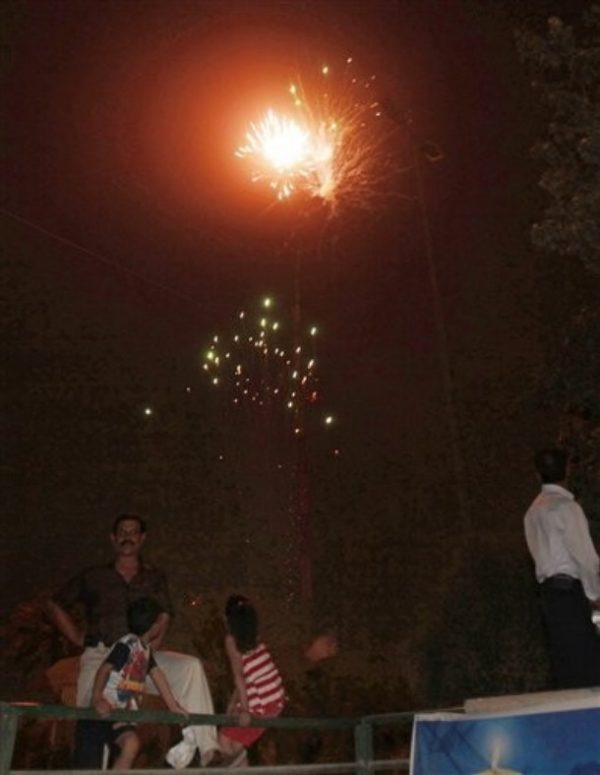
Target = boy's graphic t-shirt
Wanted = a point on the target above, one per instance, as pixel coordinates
(131, 661)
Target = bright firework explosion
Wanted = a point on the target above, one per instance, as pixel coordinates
(265, 363)
(333, 144)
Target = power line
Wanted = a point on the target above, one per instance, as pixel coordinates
(103, 259)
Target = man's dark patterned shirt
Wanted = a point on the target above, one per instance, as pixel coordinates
(105, 595)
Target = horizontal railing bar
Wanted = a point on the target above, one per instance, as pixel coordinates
(381, 765)
(323, 768)
(166, 717)
(279, 769)
(385, 718)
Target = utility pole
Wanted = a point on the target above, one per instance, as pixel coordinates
(432, 153)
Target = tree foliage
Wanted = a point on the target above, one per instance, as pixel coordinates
(565, 68)
(574, 386)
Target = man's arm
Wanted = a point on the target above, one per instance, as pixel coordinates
(161, 683)
(155, 635)
(64, 623)
(581, 548)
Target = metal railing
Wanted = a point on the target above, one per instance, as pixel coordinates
(362, 727)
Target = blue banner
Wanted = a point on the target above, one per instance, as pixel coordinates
(557, 741)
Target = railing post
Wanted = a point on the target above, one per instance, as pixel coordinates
(363, 747)
(9, 722)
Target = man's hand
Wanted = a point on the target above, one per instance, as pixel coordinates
(177, 708)
(155, 635)
(102, 706)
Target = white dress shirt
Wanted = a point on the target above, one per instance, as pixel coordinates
(559, 541)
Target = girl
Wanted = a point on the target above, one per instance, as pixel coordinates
(258, 686)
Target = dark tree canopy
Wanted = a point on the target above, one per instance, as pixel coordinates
(565, 68)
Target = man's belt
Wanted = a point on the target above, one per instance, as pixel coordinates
(561, 581)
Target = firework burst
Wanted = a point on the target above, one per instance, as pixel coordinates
(265, 364)
(332, 144)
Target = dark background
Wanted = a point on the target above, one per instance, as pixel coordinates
(131, 236)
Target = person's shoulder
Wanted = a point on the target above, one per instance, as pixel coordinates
(129, 641)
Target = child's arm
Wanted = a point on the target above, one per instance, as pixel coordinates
(161, 683)
(233, 703)
(235, 660)
(98, 700)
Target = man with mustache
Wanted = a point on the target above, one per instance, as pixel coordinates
(104, 592)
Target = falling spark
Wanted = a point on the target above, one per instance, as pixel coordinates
(332, 145)
(248, 365)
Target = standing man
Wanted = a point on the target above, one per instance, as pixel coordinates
(567, 568)
(105, 592)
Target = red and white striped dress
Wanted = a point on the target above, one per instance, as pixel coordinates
(264, 687)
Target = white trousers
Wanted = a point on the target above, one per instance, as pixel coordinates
(186, 678)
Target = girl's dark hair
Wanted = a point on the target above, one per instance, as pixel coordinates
(242, 622)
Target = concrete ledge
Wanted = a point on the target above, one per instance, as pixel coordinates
(580, 698)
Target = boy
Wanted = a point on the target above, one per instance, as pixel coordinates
(120, 679)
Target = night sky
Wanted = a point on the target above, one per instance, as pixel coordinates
(132, 235)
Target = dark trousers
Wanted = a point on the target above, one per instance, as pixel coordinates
(90, 738)
(573, 638)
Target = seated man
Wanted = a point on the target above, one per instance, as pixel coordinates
(105, 592)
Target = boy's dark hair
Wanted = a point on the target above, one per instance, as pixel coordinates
(242, 622)
(551, 465)
(124, 517)
(141, 614)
